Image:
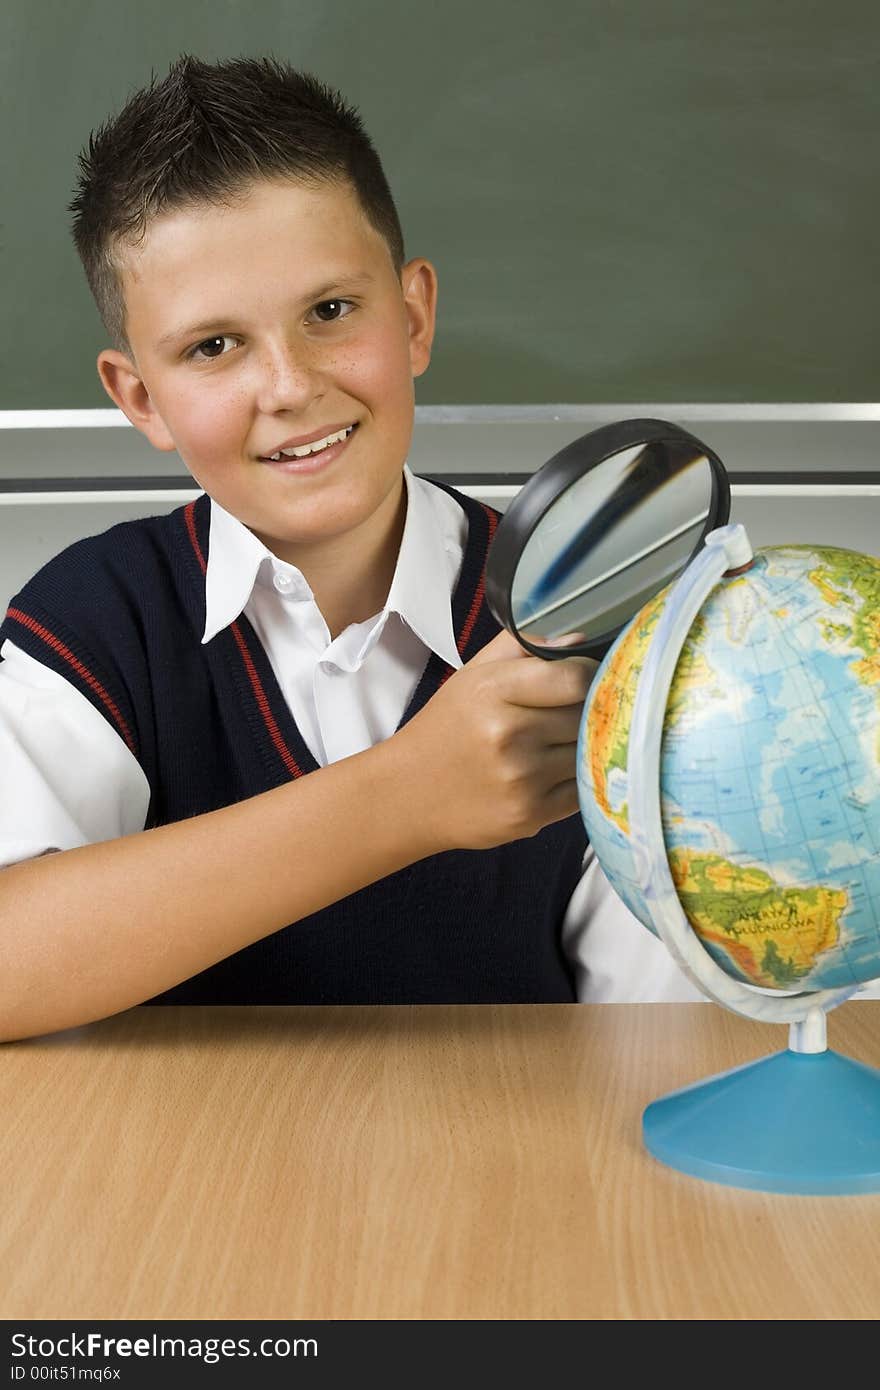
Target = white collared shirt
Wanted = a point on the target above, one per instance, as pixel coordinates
(350, 692)
(68, 779)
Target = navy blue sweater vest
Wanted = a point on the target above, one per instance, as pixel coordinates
(121, 616)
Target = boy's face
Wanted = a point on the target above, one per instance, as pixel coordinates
(301, 327)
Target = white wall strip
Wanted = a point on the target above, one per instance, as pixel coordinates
(680, 413)
(805, 490)
(509, 414)
(120, 495)
(488, 492)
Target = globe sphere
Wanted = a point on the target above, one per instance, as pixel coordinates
(769, 769)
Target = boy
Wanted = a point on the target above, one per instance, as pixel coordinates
(269, 730)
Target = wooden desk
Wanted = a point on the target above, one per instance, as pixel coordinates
(431, 1162)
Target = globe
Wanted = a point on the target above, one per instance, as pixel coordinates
(769, 769)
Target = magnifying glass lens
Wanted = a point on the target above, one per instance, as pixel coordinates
(622, 523)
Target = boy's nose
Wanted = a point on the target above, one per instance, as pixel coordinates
(288, 374)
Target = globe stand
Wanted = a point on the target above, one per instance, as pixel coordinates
(791, 1122)
(803, 1120)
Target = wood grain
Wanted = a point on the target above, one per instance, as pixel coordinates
(424, 1162)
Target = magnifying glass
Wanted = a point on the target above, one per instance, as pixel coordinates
(598, 530)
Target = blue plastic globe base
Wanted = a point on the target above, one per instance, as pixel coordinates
(791, 1122)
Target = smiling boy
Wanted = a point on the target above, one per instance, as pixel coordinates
(269, 730)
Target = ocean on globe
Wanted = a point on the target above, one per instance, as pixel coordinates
(769, 770)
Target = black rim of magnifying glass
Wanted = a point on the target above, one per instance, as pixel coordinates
(545, 487)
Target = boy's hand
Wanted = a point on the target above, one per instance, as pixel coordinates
(494, 750)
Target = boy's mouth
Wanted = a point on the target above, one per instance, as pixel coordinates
(327, 444)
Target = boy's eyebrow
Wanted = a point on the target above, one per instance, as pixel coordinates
(313, 297)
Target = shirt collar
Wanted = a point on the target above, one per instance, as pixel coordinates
(234, 559)
(420, 593)
(427, 567)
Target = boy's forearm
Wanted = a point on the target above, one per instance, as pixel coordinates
(94, 930)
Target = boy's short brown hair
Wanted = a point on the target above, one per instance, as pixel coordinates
(203, 135)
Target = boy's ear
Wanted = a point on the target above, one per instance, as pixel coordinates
(123, 384)
(419, 283)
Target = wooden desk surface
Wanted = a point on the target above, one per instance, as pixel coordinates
(426, 1162)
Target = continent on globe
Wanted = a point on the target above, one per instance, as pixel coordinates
(762, 933)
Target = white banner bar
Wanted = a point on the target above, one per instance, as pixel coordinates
(489, 492)
(511, 414)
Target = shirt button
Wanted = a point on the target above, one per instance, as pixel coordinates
(283, 583)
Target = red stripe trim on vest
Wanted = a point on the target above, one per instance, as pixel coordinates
(287, 757)
(477, 603)
(82, 671)
(189, 513)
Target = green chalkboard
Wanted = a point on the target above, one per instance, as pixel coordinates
(630, 201)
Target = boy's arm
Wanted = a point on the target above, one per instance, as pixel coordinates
(94, 930)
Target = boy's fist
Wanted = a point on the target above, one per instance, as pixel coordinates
(494, 750)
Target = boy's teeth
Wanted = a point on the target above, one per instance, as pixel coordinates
(306, 449)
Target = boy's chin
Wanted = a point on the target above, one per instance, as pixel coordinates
(300, 535)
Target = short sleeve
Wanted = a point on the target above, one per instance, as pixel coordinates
(66, 777)
(615, 959)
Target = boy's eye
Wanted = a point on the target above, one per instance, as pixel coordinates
(331, 309)
(209, 342)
